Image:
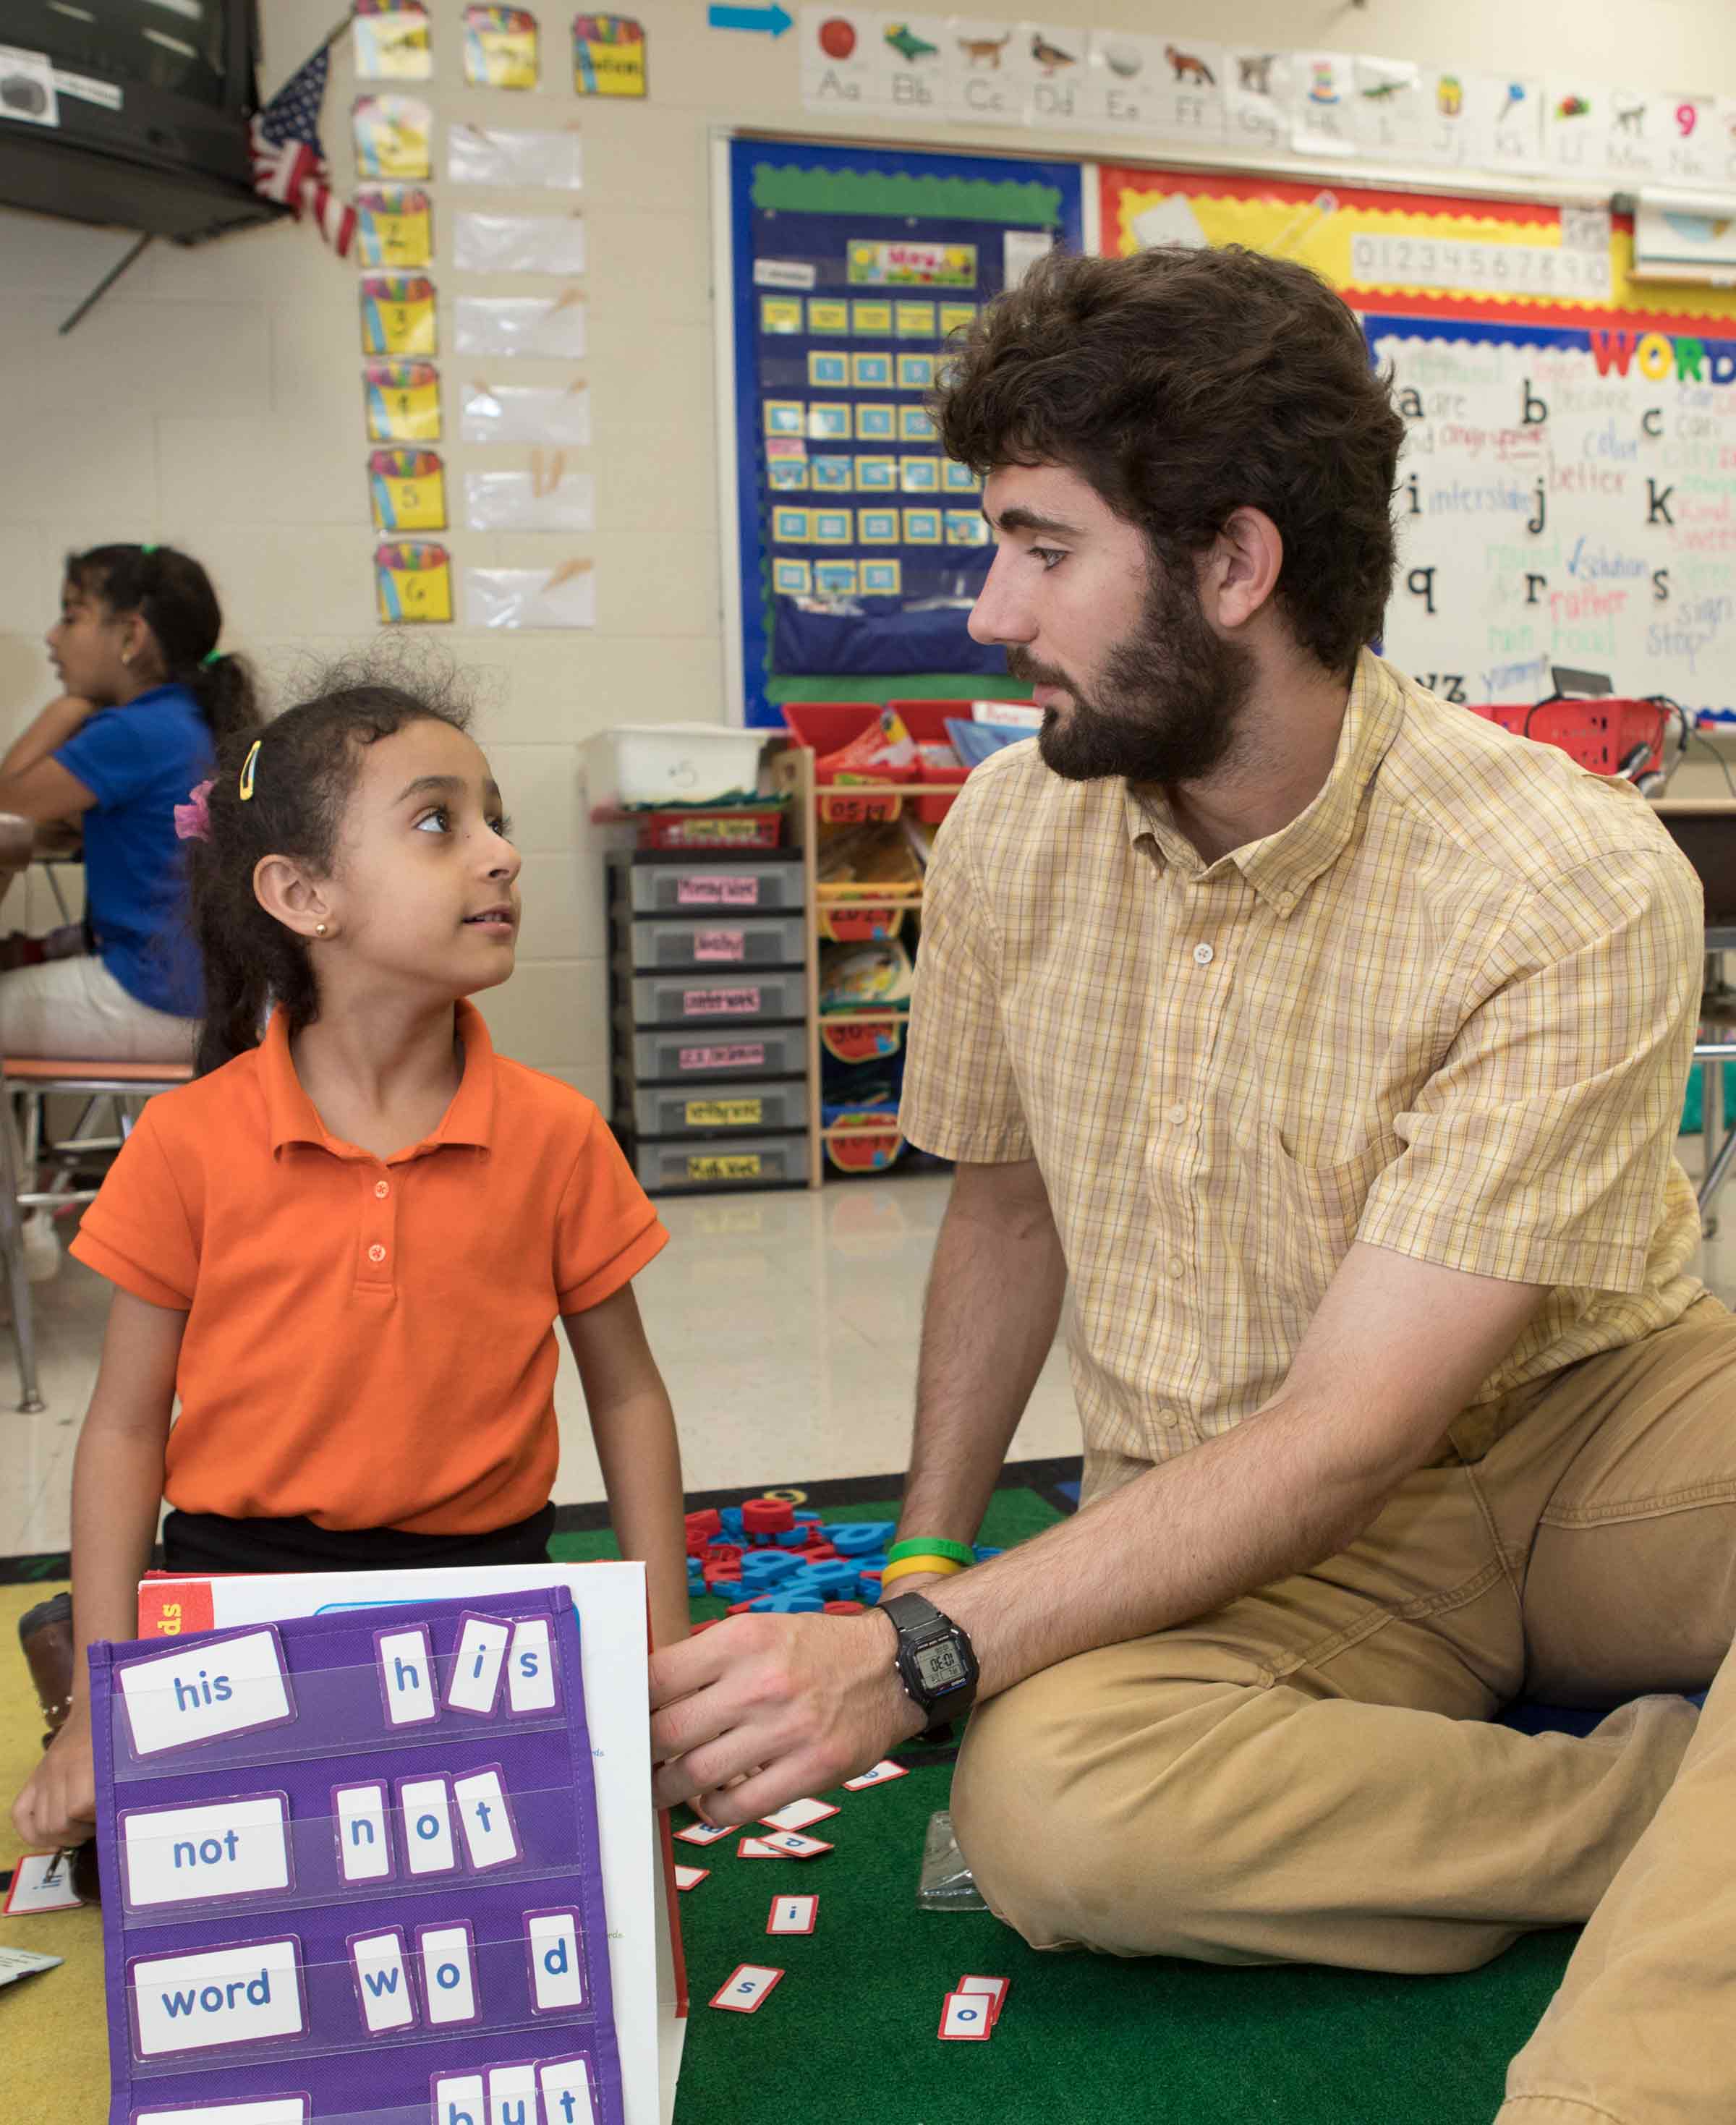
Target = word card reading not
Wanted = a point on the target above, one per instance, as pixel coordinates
(475, 1681)
(793, 1914)
(966, 2019)
(206, 1691)
(743, 1990)
(231, 1848)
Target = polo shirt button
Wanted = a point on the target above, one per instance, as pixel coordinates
(376, 1254)
(1177, 1112)
(1178, 1267)
(382, 1189)
(1203, 955)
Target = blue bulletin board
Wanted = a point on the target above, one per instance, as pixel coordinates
(861, 547)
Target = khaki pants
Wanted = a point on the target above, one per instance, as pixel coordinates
(1309, 1775)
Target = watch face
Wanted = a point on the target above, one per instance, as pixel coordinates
(939, 1668)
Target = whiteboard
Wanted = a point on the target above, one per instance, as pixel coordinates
(1566, 496)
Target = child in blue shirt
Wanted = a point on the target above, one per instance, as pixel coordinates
(148, 697)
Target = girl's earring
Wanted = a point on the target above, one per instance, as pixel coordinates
(319, 929)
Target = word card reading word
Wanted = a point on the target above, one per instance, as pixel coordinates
(358, 1872)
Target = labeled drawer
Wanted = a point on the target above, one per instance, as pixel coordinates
(719, 1110)
(715, 941)
(699, 999)
(694, 886)
(758, 1162)
(767, 1051)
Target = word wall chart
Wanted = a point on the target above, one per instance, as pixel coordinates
(1568, 482)
(353, 1871)
(856, 270)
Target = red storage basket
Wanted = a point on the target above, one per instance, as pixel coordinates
(1599, 733)
(826, 726)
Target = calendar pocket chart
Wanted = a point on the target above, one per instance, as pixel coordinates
(354, 1871)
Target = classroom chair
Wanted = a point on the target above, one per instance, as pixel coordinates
(26, 1146)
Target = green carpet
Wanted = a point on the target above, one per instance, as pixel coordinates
(850, 2030)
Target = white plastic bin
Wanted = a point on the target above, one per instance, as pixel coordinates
(652, 763)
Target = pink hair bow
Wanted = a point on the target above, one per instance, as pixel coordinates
(193, 819)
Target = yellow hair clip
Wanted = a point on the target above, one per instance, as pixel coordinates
(246, 786)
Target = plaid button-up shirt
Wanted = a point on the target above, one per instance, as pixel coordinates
(1448, 1010)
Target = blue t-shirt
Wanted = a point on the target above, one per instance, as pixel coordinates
(139, 762)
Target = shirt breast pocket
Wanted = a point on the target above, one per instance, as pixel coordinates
(1309, 1214)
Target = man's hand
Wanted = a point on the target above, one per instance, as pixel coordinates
(58, 1806)
(789, 1704)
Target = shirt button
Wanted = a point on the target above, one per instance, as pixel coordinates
(382, 1189)
(1178, 1267)
(376, 1254)
(1177, 1112)
(1202, 955)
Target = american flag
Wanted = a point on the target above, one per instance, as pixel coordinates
(289, 164)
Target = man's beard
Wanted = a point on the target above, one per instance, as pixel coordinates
(1177, 690)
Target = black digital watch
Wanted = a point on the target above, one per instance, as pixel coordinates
(935, 1659)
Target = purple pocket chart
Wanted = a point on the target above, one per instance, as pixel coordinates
(318, 1909)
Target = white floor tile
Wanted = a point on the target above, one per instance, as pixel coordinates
(786, 1326)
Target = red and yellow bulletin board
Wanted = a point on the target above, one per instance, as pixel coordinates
(1413, 254)
(1567, 491)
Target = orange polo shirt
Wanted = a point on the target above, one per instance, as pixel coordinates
(369, 1342)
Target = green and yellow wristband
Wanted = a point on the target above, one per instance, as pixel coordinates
(926, 1554)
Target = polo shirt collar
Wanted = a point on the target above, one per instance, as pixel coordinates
(294, 1119)
(1281, 867)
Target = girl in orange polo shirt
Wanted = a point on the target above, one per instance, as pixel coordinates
(345, 1244)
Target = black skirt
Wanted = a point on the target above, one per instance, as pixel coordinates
(208, 1542)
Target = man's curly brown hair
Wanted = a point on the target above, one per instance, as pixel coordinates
(1186, 384)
